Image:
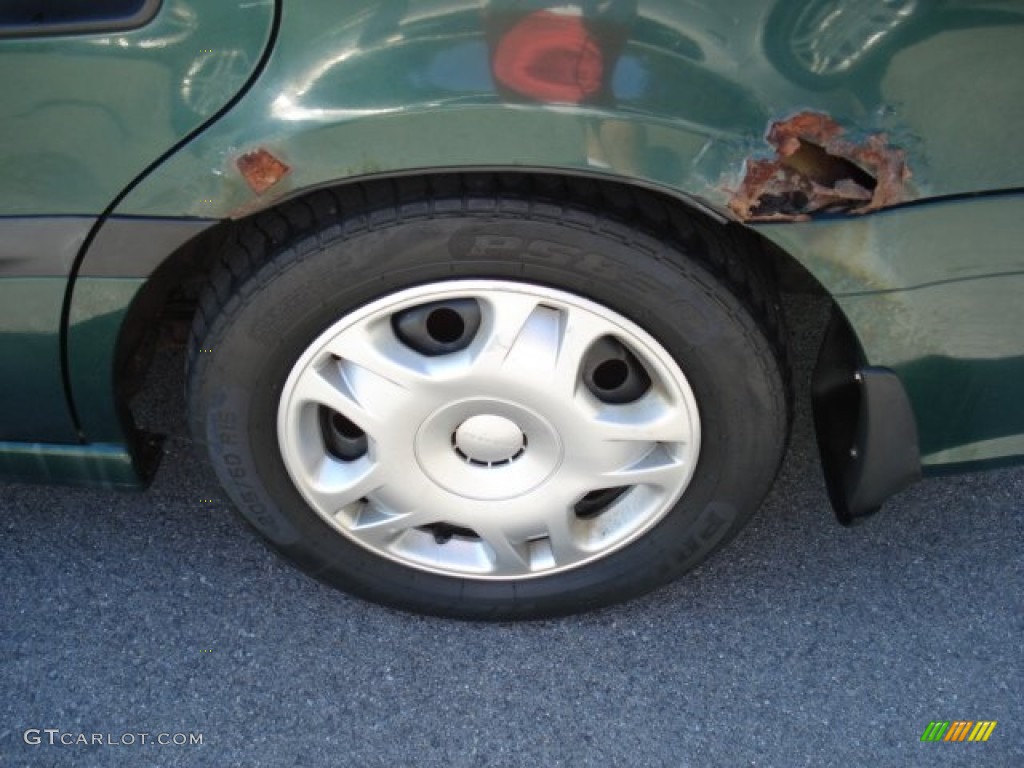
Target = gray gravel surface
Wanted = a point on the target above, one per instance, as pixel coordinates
(802, 644)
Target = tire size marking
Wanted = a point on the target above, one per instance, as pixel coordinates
(711, 528)
(234, 473)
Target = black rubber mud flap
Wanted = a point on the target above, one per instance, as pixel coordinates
(865, 426)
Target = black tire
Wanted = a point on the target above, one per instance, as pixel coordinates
(293, 272)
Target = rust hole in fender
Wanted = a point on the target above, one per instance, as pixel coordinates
(817, 170)
(261, 170)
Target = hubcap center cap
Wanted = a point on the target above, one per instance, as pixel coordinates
(489, 439)
(487, 449)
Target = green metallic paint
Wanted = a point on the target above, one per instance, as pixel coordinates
(366, 88)
(99, 307)
(110, 466)
(82, 116)
(33, 406)
(692, 93)
(934, 292)
(36, 254)
(121, 257)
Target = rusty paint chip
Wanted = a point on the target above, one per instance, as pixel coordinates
(816, 170)
(261, 170)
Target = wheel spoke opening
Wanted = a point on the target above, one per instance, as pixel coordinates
(343, 439)
(445, 532)
(438, 327)
(597, 501)
(613, 374)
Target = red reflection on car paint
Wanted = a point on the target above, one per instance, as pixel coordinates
(550, 57)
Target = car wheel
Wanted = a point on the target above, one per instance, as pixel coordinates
(487, 403)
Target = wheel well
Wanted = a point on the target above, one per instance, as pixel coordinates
(162, 310)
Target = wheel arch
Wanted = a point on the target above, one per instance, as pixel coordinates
(162, 305)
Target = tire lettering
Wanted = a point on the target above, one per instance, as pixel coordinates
(247, 499)
(553, 250)
(485, 245)
(712, 524)
(225, 420)
(224, 426)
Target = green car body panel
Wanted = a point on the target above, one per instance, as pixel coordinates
(83, 115)
(676, 97)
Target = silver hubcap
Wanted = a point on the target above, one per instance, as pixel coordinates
(488, 429)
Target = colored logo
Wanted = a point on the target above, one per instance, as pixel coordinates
(958, 730)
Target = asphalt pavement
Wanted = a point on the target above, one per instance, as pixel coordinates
(802, 644)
